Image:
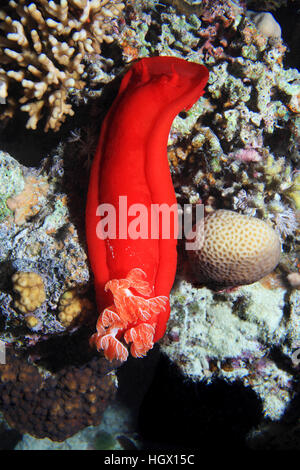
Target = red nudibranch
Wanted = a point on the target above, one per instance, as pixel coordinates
(133, 276)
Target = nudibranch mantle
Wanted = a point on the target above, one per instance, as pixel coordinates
(133, 275)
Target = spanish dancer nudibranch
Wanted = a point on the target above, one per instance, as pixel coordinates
(130, 175)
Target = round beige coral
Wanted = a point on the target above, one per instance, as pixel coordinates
(265, 23)
(232, 249)
(30, 287)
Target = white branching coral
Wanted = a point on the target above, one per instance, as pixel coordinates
(42, 47)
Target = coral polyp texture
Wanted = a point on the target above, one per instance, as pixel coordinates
(59, 405)
(42, 50)
(232, 249)
(72, 307)
(30, 288)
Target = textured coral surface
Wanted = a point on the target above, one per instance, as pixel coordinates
(232, 249)
(30, 288)
(230, 335)
(55, 407)
(42, 49)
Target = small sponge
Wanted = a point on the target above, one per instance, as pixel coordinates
(233, 249)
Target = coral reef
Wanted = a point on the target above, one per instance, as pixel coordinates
(43, 283)
(239, 145)
(57, 406)
(43, 46)
(229, 336)
(41, 249)
(231, 249)
(230, 144)
(236, 149)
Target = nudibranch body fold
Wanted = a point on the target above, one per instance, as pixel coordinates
(132, 257)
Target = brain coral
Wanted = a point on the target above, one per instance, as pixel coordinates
(236, 249)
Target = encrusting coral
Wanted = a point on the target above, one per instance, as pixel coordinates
(28, 202)
(55, 406)
(216, 335)
(232, 249)
(31, 290)
(42, 49)
(71, 306)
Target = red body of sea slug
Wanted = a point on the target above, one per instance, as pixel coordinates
(134, 275)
